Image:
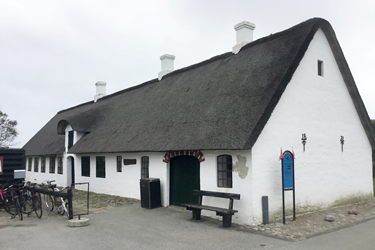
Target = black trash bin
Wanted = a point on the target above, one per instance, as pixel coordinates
(150, 193)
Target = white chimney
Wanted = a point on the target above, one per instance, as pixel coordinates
(100, 90)
(244, 35)
(167, 65)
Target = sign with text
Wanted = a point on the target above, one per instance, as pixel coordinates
(288, 171)
(287, 174)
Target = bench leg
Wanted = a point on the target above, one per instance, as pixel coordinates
(227, 220)
(196, 214)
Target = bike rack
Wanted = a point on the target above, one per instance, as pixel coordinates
(68, 195)
(88, 189)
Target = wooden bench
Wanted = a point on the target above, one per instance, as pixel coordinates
(226, 213)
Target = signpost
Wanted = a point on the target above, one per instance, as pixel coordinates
(287, 172)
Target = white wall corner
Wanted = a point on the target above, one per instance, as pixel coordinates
(167, 65)
(244, 35)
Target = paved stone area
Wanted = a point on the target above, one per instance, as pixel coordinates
(132, 227)
(306, 226)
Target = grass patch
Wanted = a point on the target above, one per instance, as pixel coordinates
(352, 199)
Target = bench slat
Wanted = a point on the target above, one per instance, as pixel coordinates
(216, 194)
(216, 209)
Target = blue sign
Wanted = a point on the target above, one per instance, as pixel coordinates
(288, 171)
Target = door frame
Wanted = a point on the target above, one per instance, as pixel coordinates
(169, 175)
(167, 157)
(70, 171)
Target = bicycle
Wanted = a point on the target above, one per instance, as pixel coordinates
(31, 198)
(52, 201)
(49, 199)
(64, 203)
(11, 202)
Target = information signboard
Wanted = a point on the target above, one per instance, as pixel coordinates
(288, 171)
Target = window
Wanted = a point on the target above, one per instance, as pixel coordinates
(100, 167)
(29, 164)
(224, 171)
(59, 165)
(43, 165)
(85, 164)
(52, 162)
(144, 167)
(320, 68)
(36, 164)
(70, 139)
(119, 162)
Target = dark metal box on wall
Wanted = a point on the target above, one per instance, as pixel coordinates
(150, 193)
(11, 160)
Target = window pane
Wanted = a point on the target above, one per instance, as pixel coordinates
(59, 165)
(43, 165)
(100, 166)
(52, 161)
(36, 164)
(30, 162)
(119, 162)
(221, 183)
(229, 182)
(221, 175)
(228, 166)
(220, 159)
(320, 68)
(70, 139)
(144, 167)
(85, 164)
(224, 171)
(225, 166)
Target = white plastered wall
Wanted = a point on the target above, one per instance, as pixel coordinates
(39, 177)
(126, 182)
(242, 178)
(321, 107)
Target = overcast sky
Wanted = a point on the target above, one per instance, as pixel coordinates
(53, 52)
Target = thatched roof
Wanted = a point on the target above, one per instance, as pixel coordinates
(221, 103)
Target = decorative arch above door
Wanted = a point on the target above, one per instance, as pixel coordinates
(197, 153)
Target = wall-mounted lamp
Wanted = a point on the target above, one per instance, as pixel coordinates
(342, 143)
(304, 139)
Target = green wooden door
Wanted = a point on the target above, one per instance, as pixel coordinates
(184, 177)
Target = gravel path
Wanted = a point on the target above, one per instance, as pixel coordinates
(100, 200)
(313, 224)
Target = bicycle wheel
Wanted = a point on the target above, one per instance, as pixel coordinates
(49, 202)
(60, 206)
(26, 203)
(9, 206)
(19, 209)
(37, 206)
(66, 205)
